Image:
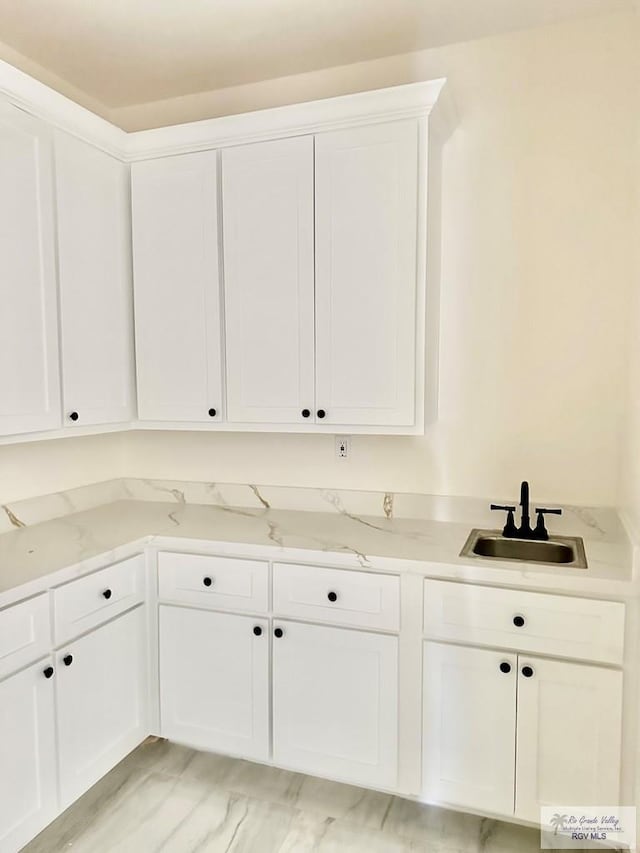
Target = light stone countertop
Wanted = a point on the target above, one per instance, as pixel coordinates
(35, 557)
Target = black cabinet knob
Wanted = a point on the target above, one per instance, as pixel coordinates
(257, 630)
(48, 672)
(73, 416)
(107, 594)
(306, 413)
(67, 660)
(212, 413)
(332, 596)
(518, 621)
(527, 671)
(278, 632)
(207, 581)
(505, 667)
(321, 413)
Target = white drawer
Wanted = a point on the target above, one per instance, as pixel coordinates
(84, 603)
(525, 621)
(219, 583)
(25, 633)
(339, 596)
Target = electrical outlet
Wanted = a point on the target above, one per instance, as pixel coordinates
(343, 446)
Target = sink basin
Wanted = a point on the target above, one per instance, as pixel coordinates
(558, 550)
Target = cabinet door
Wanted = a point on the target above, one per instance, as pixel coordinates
(96, 299)
(29, 379)
(469, 727)
(366, 227)
(214, 681)
(335, 703)
(101, 700)
(267, 192)
(177, 288)
(569, 730)
(28, 798)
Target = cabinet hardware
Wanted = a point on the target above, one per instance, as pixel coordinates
(518, 621)
(74, 416)
(107, 594)
(505, 667)
(321, 413)
(212, 413)
(207, 581)
(257, 630)
(527, 671)
(48, 672)
(306, 413)
(67, 660)
(278, 632)
(332, 596)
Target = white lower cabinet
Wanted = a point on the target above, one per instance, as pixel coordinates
(335, 703)
(214, 681)
(101, 695)
(569, 730)
(28, 798)
(469, 739)
(506, 733)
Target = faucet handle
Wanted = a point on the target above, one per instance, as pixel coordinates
(541, 531)
(510, 530)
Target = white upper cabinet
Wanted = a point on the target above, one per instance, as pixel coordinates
(94, 257)
(29, 379)
(267, 193)
(366, 183)
(177, 288)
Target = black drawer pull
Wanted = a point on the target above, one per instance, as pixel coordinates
(278, 632)
(67, 660)
(207, 581)
(332, 596)
(48, 672)
(518, 621)
(257, 630)
(107, 594)
(527, 671)
(505, 667)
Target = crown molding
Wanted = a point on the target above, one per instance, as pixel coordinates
(396, 102)
(59, 111)
(409, 100)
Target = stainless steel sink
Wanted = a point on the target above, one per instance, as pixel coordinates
(557, 550)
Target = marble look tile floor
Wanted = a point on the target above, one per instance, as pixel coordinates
(165, 797)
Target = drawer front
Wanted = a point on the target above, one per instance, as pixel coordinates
(337, 596)
(526, 621)
(218, 583)
(89, 601)
(25, 633)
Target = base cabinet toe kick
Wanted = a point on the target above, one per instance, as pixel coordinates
(512, 699)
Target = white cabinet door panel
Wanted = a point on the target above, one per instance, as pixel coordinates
(335, 703)
(28, 798)
(101, 699)
(469, 710)
(214, 681)
(267, 192)
(29, 379)
(96, 299)
(177, 287)
(569, 730)
(366, 183)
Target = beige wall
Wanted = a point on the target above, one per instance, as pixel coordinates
(43, 467)
(537, 264)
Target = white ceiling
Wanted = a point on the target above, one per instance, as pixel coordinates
(124, 52)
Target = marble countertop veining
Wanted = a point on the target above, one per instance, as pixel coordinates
(36, 556)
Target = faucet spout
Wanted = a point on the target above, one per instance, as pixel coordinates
(525, 531)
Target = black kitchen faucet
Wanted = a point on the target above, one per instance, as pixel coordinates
(525, 531)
